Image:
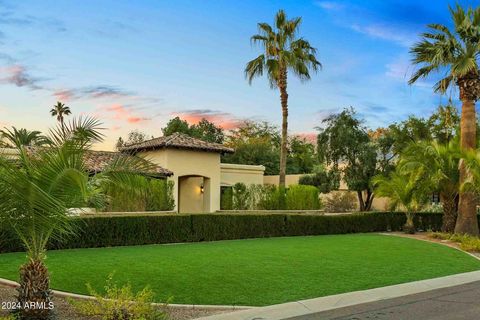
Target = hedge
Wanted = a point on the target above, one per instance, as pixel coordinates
(105, 231)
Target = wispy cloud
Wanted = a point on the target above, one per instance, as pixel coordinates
(92, 92)
(17, 75)
(223, 119)
(330, 5)
(387, 33)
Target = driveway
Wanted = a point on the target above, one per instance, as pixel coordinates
(458, 302)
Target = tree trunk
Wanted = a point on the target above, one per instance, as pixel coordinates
(467, 207)
(361, 204)
(283, 149)
(369, 200)
(409, 225)
(449, 212)
(34, 293)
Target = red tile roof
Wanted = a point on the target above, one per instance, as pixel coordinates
(178, 141)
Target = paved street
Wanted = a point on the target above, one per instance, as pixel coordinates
(459, 302)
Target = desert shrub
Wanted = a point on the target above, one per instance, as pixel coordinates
(467, 242)
(119, 303)
(302, 197)
(241, 196)
(340, 201)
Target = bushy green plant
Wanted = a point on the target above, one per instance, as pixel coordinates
(273, 199)
(241, 196)
(340, 201)
(110, 231)
(119, 303)
(154, 195)
(226, 199)
(300, 197)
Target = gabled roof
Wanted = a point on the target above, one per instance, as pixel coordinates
(177, 141)
(97, 161)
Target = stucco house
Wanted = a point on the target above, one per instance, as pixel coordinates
(197, 172)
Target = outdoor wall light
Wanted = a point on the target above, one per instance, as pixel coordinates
(202, 189)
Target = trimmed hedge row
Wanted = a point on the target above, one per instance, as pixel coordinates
(108, 231)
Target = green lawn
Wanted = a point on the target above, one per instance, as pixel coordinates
(253, 272)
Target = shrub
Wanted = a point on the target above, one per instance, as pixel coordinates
(467, 242)
(156, 195)
(241, 196)
(119, 303)
(226, 198)
(340, 201)
(273, 199)
(107, 231)
(301, 197)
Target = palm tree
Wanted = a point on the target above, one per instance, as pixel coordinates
(22, 137)
(455, 53)
(38, 187)
(437, 165)
(283, 51)
(405, 192)
(60, 110)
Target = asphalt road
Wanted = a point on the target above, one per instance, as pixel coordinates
(460, 302)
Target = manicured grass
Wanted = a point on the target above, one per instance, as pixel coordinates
(253, 272)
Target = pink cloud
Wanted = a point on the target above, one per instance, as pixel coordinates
(225, 120)
(17, 75)
(120, 112)
(64, 95)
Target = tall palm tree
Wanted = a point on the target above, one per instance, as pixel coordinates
(60, 110)
(437, 165)
(22, 137)
(455, 53)
(36, 190)
(405, 191)
(284, 51)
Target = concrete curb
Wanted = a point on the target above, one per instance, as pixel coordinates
(311, 306)
(63, 294)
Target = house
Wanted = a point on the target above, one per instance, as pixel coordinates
(198, 174)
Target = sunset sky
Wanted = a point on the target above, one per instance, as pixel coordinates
(136, 64)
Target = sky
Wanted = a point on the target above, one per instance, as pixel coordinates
(137, 64)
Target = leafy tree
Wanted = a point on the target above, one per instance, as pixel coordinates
(301, 156)
(405, 192)
(254, 143)
(437, 165)
(207, 131)
(454, 53)
(133, 137)
(176, 125)
(411, 130)
(345, 147)
(60, 110)
(36, 192)
(22, 137)
(284, 51)
(325, 180)
(204, 129)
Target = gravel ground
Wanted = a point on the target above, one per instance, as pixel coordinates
(65, 311)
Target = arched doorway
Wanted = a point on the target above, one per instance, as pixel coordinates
(193, 194)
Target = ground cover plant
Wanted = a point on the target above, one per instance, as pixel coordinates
(252, 272)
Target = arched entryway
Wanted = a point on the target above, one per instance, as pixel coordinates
(193, 194)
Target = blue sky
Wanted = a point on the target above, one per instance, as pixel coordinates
(136, 64)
